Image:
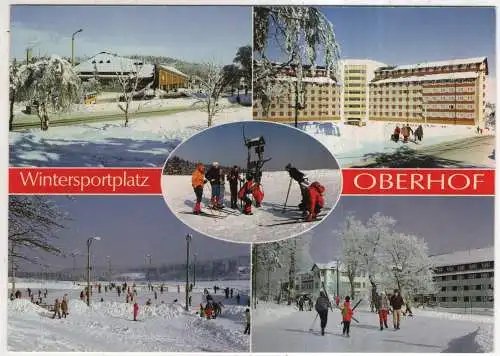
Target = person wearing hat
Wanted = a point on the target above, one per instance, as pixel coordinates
(396, 303)
(346, 316)
(234, 179)
(322, 306)
(197, 181)
(213, 176)
(383, 310)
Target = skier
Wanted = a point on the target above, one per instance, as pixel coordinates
(136, 311)
(315, 200)
(231, 292)
(238, 298)
(408, 306)
(419, 133)
(29, 292)
(64, 306)
(82, 296)
(197, 181)
(346, 316)
(45, 293)
(301, 304)
(234, 178)
(244, 195)
(57, 309)
(337, 300)
(202, 311)
(99, 288)
(222, 189)
(189, 300)
(396, 303)
(406, 131)
(156, 295)
(301, 179)
(395, 135)
(322, 305)
(383, 310)
(247, 321)
(118, 290)
(213, 176)
(161, 289)
(148, 302)
(18, 294)
(208, 311)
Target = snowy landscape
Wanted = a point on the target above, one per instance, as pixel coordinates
(281, 328)
(268, 223)
(108, 326)
(145, 143)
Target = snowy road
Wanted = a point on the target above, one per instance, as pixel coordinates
(478, 151)
(290, 333)
(268, 223)
(108, 326)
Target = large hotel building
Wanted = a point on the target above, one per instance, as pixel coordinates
(444, 92)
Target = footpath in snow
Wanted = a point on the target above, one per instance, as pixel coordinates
(280, 328)
(108, 326)
(268, 223)
(145, 143)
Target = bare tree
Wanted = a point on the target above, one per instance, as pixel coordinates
(212, 85)
(129, 80)
(33, 221)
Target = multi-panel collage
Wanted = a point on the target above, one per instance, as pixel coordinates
(252, 128)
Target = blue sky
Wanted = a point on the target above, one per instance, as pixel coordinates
(447, 223)
(130, 227)
(191, 33)
(406, 35)
(284, 144)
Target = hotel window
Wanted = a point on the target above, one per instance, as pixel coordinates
(455, 299)
(466, 288)
(282, 113)
(443, 299)
(443, 289)
(466, 298)
(273, 113)
(454, 278)
(477, 275)
(479, 298)
(454, 288)
(478, 287)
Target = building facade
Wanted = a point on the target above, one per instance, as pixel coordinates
(170, 78)
(444, 92)
(320, 93)
(465, 279)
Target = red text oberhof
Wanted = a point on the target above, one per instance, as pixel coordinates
(429, 181)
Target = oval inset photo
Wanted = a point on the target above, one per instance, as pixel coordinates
(251, 182)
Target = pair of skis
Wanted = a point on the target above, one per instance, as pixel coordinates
(338, 307)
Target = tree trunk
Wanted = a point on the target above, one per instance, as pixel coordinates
(11, 113)
(268, 283)
(126, 114)
(351, 282)
(254, 277)
(210, 117)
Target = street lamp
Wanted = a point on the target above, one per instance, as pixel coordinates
(194, 269)
(73, 46)
(148, 267)
(89, 243)
(74, 254)
(188, 241)
(109, 267)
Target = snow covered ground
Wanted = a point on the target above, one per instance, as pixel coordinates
(289, 331)
(108, 326)
(145, 143)
(358, 143)
(268, 223)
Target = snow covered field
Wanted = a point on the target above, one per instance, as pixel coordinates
(145, 143)
(108, 326)
(268, 223)
(278, 328)
(358, 143)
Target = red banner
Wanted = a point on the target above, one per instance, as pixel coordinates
(147, 181)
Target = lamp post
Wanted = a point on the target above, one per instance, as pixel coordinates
(188, 241)
(194, 269)
(89, 243)
(73, 46)
(148, 256)
(338, 278)
(109, 267)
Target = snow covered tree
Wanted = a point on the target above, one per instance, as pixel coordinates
(13, 90)
(302, 33)
(265, 259)
(271, 90)
(232, 76)
(33, 221)
(244, 59)
(406, 264)
(352, 236)
(50, 84)
(128, 80)
(212, 84)
(490, 116)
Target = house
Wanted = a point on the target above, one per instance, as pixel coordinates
(170, 78)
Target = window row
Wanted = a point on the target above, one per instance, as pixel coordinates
(467, 299)
(451, 115)
(466, 288)
(465, 276)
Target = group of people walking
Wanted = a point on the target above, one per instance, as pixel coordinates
(405, 131)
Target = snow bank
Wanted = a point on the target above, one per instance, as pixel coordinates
(485, 338)
(24, 306)
(124, 310)
(455, 316)
(78, 307)
(268, 312)
(233, 312)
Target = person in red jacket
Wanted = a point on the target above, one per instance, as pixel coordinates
(337, 300)
(245, 193)
(136, 311)
(346, 315)
(315, 200)
(395, 135)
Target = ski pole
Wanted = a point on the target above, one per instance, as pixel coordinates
(287, 193)
(314, 321)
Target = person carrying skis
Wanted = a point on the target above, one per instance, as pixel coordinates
(395, 135)
(234, 178)
(396, 302)
(197, 181)
(136, 311)
(315, 200)
(245, 193)
(301, 179)
(322, 306)
(213, 176)
(247, 321)
(383, 310)
(346, 316)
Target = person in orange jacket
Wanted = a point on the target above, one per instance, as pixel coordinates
(315, 200)
(197, 181)
(136, 311)
(346, 315)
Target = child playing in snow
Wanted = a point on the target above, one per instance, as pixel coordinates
(346, 315)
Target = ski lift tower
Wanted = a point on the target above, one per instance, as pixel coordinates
(254, 167)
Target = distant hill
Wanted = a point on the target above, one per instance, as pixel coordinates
(182, 167)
